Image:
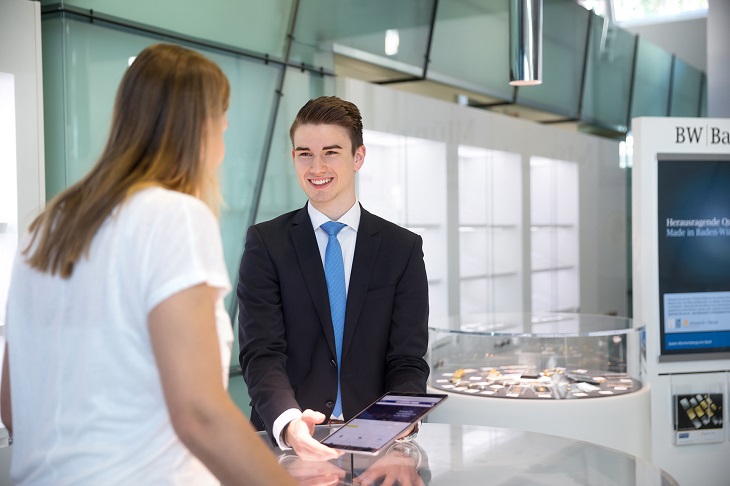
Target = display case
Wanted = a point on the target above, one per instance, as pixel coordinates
(547, 356)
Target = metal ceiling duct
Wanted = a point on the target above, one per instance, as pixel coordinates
(525, 42)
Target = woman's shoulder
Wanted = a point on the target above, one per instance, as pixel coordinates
(158, 200)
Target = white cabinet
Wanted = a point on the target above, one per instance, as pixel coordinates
(490, 230)
(554, 235)
(403, 180)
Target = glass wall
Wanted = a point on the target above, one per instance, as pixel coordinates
(651, 92)
(607, 90)
(471, 46)
(253, 25)
(564, 47)
(384, 32)
(686, 90)
(88, 62)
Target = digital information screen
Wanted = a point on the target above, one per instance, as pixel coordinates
(693, 204)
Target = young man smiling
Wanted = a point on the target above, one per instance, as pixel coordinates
(302, 367)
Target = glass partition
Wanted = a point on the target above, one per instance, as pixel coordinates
(383, 32)
(470, 47)
(651, 80)
(607, 87)
(80, 83)
(252, 25)
(564, 44)
(686, 87)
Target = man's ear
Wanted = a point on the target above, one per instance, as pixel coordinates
(359, 157)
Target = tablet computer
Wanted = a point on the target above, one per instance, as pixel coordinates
(382, 421)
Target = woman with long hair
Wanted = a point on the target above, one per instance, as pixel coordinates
(118, 344)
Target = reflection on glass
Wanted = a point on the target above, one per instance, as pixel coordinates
(358, 30)
(608, 75)
(253, 25)
(470, 47)
(564, 32)
(651, 80)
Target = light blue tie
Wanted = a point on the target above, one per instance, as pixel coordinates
(334, 272)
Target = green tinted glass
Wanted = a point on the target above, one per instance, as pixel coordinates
(84, 63)
(608, 76)
(651, 80)
(382, 32)
(253, 25)
(470, 47)
(686, 86)
(565, 25)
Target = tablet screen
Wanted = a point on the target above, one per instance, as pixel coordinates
(382, 422)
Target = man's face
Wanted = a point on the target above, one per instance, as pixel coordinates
(326, 167)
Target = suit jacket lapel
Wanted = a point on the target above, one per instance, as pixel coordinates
(310, 263)
(366, 249)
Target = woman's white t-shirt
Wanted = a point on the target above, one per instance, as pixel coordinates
(87, 400)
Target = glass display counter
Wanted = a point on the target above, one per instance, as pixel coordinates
(536, 356)
(467, 455)
(572, 375)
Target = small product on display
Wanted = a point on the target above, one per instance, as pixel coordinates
(516, 382)
(546, 356)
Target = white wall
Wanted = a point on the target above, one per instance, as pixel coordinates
(21, 158)
(22, 170)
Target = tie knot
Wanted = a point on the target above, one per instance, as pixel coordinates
(332, 227)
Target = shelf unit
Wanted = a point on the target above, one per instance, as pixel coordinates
(490, 230)
(554, 248)
(403, 180)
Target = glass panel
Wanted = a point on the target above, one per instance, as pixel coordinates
(470, 47)
(651, 80)
(685, 90)
(703, 97)
(89, 72)
(608, 77)
(383, 32)
(252, 25)
(281, 191)
(565, 25)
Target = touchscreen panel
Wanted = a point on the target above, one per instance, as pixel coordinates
(382, 422)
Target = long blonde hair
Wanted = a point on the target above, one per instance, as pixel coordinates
(164, 102)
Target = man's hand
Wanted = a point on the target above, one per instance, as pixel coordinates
(299, 437)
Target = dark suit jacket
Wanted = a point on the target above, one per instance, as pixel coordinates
(287, 349)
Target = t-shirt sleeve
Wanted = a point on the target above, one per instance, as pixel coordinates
(184, 249)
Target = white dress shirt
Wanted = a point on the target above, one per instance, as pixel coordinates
(347, 237)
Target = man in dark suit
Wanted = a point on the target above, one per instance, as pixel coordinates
(289, 337)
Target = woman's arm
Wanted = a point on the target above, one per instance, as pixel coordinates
(185, 345)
